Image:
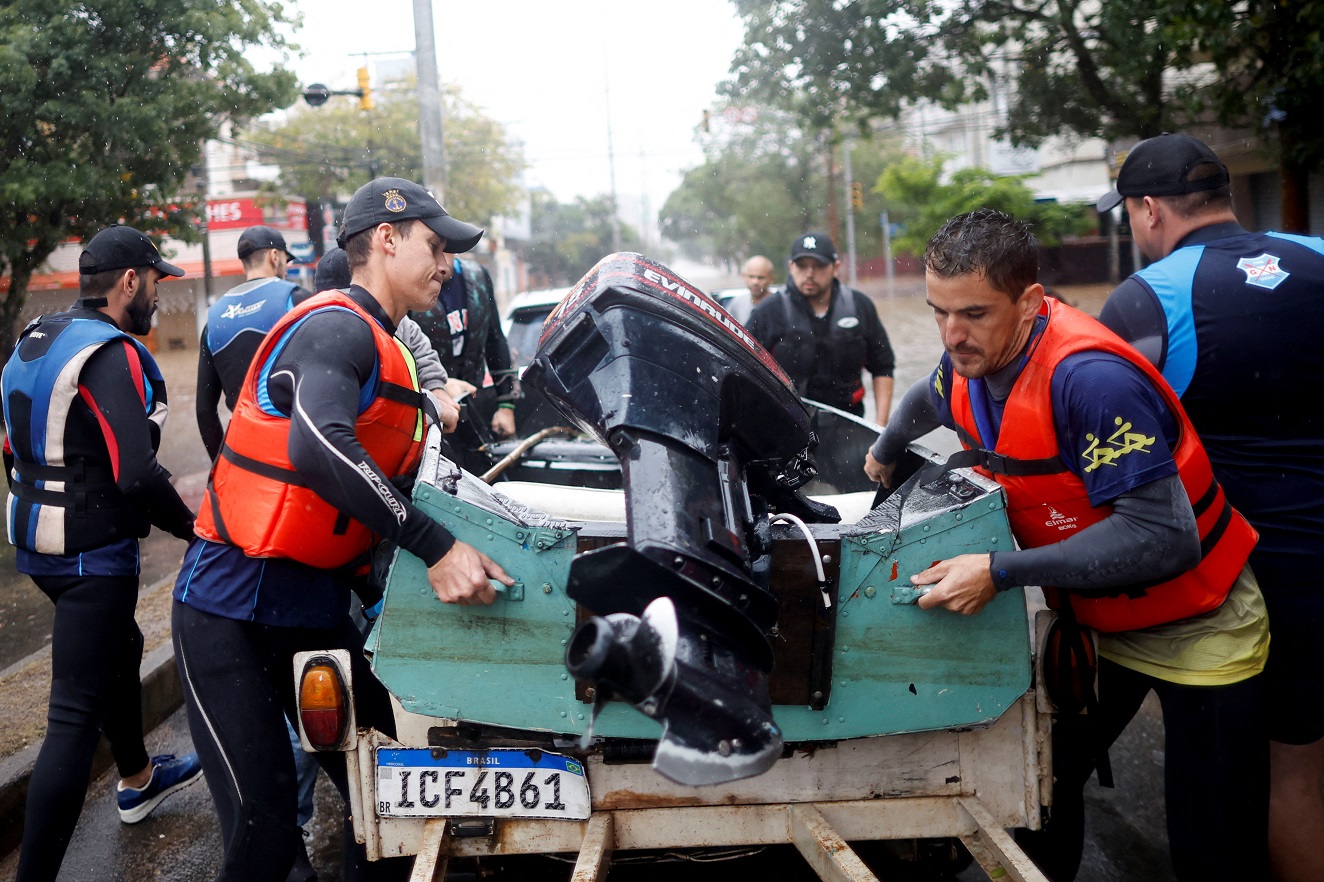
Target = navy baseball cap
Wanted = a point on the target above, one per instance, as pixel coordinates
(817, 245)
(121, 247)
(332, 271)
(257, 238)
(1160, 167)
(388, 200)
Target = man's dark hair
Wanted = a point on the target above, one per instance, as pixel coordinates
(254, 258)
(99, 284)
(1203, 201)
(988, 243)
(359, 245)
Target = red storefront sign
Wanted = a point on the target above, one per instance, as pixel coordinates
(238, 214)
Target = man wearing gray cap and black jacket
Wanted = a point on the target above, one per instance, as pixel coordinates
(328, 418)
(236, 324)
(1234, 320)
(84, 404)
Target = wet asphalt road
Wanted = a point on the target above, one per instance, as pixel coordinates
(1125, 838)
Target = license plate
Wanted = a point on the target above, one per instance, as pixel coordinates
(496, 783)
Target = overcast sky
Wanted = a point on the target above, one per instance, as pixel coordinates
(542, 68)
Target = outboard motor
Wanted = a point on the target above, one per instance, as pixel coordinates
(711, 438)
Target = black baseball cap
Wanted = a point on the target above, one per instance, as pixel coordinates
(1160, 167)
(815, 244)
(257, 238)
(387, 200)
(332, 271)
(121, 247)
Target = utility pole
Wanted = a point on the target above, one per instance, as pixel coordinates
(200, 304)
(885, 221)
(852, 273)
(429, 101)
(831, 190)
(611, 164)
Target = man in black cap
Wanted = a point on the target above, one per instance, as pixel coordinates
(326, 423)
(823, 333)
(236, 324)
(1234, 321)
(333, 272)
(84, 404)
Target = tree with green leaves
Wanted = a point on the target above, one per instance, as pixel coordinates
(764, 181)
(916, 198)
(1117, 70)
(569, 238)
(1072, 65)
(104, 107)
(1268, 56)
(760, 183)
(336, 148)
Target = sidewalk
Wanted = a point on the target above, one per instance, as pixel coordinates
(23, 692)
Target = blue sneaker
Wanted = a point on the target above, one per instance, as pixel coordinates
(169, 773)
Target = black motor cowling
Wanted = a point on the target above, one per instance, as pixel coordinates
(701, 417)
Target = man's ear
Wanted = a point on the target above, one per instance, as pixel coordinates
(1030, 300)
(1154, 211)
(128, 282)
(388, 236)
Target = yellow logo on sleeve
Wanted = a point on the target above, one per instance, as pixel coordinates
(1119, 443)
(937, 382)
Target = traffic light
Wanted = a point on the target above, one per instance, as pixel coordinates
(856, 195)
(365, 90)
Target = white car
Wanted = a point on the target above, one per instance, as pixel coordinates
(522, 322)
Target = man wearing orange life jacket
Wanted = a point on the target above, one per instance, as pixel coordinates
(1113, 503)
(329, 416)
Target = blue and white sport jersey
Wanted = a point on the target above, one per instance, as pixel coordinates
(237, 322)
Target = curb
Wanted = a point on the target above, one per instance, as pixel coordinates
(162, 696)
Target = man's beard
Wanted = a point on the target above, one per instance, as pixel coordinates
(140, 309)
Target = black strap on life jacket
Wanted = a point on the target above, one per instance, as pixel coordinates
(84, 483)
(413, 398)
(264, 469)
(1000, 464)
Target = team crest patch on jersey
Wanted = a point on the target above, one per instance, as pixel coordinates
(394, 201)
(849, 321)
(1263, 271)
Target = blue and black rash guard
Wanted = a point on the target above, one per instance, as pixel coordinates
(1152, 531)
(1234, 320)
(323, 377)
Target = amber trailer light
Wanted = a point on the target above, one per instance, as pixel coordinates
(326, 707)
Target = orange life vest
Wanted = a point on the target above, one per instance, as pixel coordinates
(1048, 504)
(256, 500)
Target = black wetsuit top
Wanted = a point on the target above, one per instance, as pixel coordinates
(321, 379)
